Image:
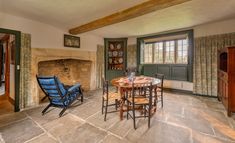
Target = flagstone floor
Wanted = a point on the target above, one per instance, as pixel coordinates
(183, 119)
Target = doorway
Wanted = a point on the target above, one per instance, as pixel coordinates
(9, 70)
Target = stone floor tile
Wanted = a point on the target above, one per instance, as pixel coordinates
(36, 114)
(12, 117)
(160, 132)
(173, 108)
(43, 139)
(21, 131)
(142, 128)
(121, 128)
(113, 139)
(98, 120)
(214, 105)
(203, 138)
(224, 131)
(206, 114)
(87, 110)
(160, 115)
(62, 125)
(84, 134)
(231, 121)
(197, 124)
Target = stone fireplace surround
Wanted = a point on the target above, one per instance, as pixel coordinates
(39, 55)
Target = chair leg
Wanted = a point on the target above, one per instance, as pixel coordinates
(106, 108)
(133, 111)
(127, 112)
(155, 96)
(149, 115)
(44, 110)
(102, 109)
(144, 111)
(62, 112)
(82, 98)
(116, 102)
(43, 98)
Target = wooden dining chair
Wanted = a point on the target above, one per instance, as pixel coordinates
(129, 70)
(109, 99)
(138, 99)
(158, 90)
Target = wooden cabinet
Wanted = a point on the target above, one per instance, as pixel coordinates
(226, 78)
(115, 57)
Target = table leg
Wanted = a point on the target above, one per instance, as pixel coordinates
(121, 109)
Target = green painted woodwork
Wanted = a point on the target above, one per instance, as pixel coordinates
(181, 72)
(111, 74)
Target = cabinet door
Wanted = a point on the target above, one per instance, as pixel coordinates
(115, 57)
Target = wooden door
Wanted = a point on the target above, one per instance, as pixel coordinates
(1, 63)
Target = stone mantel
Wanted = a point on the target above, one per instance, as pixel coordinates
(43, 54)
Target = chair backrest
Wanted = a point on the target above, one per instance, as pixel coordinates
(51, 86)
(105, 84)
(144, 90)
(161, 77)
(130, 70)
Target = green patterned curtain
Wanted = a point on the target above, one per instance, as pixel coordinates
(205, 62)
(25, 71)
(99, 65)
(131, 56)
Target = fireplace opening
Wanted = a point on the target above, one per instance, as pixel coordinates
(69, 71)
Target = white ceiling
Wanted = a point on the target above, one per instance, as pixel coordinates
(67, 14)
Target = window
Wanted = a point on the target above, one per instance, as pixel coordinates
(166, 52)
(148, 53)
(170, 52)
(182, 51)
(158, 52)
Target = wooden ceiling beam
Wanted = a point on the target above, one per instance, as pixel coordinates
(135, 11)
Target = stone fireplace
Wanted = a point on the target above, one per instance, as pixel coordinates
(69, 71)
(71, 66)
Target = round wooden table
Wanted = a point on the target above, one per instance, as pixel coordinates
(123, 84)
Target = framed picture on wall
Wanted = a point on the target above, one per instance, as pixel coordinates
(71, 41)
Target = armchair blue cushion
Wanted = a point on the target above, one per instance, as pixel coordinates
(58, 95)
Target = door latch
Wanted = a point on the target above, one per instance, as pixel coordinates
(18, 67)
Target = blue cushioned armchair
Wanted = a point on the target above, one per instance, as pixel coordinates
(58, 95)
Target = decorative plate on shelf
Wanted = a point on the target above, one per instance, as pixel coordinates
(120, 53)
(111, 46)
(115, 61)
(119, 46)
(115, 53)
(110, 54)
(120, 60)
